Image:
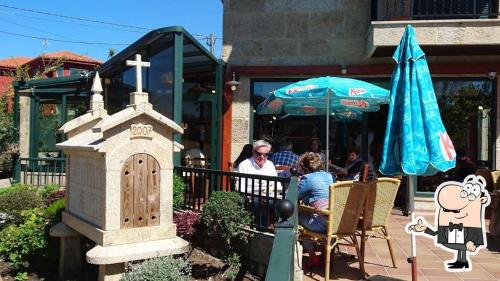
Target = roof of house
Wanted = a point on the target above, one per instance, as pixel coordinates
(69, 56)
(14, 61)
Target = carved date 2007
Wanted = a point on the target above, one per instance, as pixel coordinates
(140, 130)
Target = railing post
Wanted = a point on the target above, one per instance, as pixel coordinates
(17, 169)
(281, 263)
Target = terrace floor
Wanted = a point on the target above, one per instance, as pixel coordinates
(378, 265)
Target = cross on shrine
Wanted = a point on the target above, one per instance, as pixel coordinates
(138, 63)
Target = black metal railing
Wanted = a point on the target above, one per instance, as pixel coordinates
(41, 171)
(433, 9)
(261, 192)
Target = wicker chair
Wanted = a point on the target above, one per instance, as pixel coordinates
(342, 217)
(282, 168)
(378, 206)
(495, 178)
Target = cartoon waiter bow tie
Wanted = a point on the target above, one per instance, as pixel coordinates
(456, 226)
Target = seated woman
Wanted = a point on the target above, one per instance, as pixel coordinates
(352, 165)
(313, 191)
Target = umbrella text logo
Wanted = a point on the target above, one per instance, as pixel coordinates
(355, 103)
(446, 146)
(356, 91)
(275, 104)
(309, 109)
(294, 90)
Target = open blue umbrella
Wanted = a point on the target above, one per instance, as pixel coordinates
(416, 142)
(342, 98)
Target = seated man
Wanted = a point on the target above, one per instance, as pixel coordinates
(259, 165)
(285, 157)
(352, 166)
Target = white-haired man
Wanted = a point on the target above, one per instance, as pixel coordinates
(258, 190)
(258, 164)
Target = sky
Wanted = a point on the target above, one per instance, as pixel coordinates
(30, 27)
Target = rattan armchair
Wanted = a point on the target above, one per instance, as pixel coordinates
(495, 178)
(342, 217)
(377, 210)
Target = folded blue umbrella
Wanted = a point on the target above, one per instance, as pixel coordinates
(416, 142)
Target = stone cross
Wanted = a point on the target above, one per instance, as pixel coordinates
(138, 63)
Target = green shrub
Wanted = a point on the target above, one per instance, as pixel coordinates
(53, 212)
(159, 269)
(17, 243)
(17, 200)
(21, 276)
(179, 188)
(48, 190)
(222, 219)
(16, 187)
(233, 260)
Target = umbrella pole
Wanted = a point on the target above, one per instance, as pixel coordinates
(411, 206)
(327, 156)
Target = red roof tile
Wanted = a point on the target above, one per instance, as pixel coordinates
(70, 56)
(14, 61)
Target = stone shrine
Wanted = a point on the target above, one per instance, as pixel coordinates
(119, 175)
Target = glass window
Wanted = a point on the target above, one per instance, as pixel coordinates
(160, 84)
(466, 110)
(60, 71)
(76, 71)
(198, 106)
(51, 116)
(49, 121)
(157, 80)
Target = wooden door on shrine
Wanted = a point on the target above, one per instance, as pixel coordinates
(140, 192)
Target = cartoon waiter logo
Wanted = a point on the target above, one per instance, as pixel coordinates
(460, 220)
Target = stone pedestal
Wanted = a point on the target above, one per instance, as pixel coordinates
(70, 263)
(111, 272)
(119, 184)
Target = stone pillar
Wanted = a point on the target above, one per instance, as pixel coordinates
(111, 272)
(70, 263)
(24, 122)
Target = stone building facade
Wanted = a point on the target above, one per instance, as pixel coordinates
(267, 41)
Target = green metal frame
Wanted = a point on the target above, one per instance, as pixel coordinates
(178, 72)
(281, 262)
(179, 35)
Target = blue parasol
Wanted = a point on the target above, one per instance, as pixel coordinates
(416, 142)
(341, 98)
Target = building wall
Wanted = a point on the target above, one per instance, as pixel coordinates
(280, 32)
(289, 33)
(329, 33)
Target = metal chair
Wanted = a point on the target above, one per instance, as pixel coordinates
(342, 217)
(377, 210)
